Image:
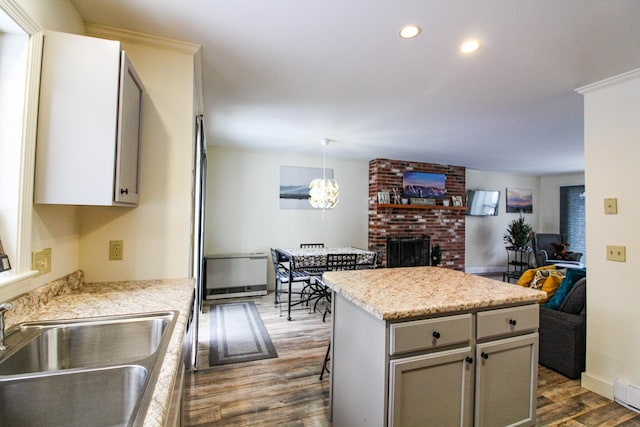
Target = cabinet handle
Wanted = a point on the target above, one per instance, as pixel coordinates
(484, 355)
(124, 191)
(512, 322)
(469, 360)
(436, 334)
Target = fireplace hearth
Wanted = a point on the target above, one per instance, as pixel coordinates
(408, 251)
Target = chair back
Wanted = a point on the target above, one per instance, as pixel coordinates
(311, 245)
(543, 248)
(337, 262)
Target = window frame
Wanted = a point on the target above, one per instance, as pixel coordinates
(20, 282)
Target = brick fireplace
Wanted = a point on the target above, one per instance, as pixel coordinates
(445, 225)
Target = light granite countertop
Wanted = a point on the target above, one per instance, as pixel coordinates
(71, 298)
(399, 293)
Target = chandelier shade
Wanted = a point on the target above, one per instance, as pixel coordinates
(324, 192)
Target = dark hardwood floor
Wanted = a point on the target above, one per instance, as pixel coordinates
(286, 391)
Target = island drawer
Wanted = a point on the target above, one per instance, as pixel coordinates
(507, 321)
(429, 333)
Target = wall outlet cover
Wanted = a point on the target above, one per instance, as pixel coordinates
(617, 253)
(116, 248)
(41, 261)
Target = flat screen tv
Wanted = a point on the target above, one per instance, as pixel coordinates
(482, 202)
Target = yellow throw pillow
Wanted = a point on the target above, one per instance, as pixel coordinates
(528, 275)
(547, 281)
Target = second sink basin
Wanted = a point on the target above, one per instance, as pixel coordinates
(56, 345)
(94, 397)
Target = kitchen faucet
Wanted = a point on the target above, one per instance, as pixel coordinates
(3, 309)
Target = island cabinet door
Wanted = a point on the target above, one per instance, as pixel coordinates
(432, 390)
(506, 382)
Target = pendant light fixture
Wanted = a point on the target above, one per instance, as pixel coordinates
(323, 192)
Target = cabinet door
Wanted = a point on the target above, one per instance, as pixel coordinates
(432, 390)
(128, 142)
(506, 381)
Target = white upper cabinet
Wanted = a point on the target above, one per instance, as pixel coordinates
(88, 143)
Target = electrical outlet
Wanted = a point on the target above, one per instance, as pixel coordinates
(617, 253)
(611, 206)
(41, 261)
(116, 248)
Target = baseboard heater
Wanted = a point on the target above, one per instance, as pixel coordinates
(627, 395)
(235, 275)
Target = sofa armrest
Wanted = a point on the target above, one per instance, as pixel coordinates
(562, 341)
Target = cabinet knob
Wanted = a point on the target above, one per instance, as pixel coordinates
(436, 334)
(124, 191)
(484, 355)
(469, 360)
(512, 322)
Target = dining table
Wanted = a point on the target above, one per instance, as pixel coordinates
(314, 262)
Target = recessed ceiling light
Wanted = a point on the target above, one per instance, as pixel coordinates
(470, 46)
(409, 31)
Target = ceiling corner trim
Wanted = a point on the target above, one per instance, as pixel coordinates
(608, 82)
(123, 35)
(17, 13)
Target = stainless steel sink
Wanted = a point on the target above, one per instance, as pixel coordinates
(94, 371)
(94, 397)
(55, 345)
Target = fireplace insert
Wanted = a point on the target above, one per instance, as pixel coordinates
(408, 251)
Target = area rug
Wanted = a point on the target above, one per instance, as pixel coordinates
(238, 334)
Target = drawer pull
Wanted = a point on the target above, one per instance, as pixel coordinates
(512, 322)
(484, 355)
(469, 360)
(436, 334)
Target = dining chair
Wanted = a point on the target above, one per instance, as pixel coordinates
(311, 245)
(372, 262)
(281, 276)
(335, 262)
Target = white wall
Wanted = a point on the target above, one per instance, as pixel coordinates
(484, 246)
(156, 234)
(549, 200)
(55, 15)
(612, 150)
(243, 213)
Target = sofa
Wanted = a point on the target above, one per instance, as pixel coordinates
(563, 330)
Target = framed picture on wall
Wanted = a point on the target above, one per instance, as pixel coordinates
(423, 185)
(294, 185)
(519, 200)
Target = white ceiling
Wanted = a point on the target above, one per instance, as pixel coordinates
(282, 74)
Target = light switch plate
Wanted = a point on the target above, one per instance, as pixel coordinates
(616, 253)
(611, 206)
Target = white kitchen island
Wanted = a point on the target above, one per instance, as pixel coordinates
(428, 346)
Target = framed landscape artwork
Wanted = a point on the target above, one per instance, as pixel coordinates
(294, 185)
(423, 185)
(519, 200)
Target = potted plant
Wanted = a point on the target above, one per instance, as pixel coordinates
(518, 233)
